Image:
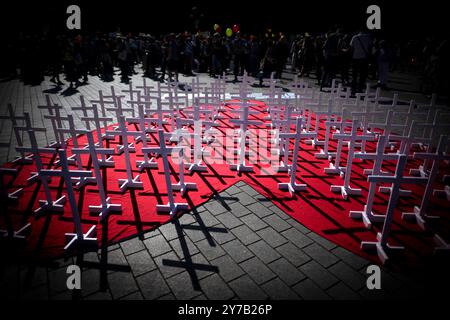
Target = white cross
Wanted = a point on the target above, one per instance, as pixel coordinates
(11, 116)
(106, 207)
(130, 182)
(367, 215)
(103, 162)
(299, 134)
(408, 139)
(119, 110)
(438, 125)
(27, 125)
(78, 238)
(54, 112)
(420, 214)
(84, 108)
(324, 152)
(345, 189)
(243, 122)
(142, 121)
(74, 133)
(164, 151)
(47, 205)
(381, 245)
(145, 89)
(131, 91)
(328, 114)
(102, 103)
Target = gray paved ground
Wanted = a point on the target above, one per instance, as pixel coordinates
(220, 250)
(235, 246)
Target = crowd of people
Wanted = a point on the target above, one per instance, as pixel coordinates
(350, 57)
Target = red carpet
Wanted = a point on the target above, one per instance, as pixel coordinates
(318, 209)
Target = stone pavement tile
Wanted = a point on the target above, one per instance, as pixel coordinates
(249, 190)
(91, 257)
(272, 237)
(246, 289)
(347, 275)
(208, 218)
(187, 218)
(157, 245)
(223, 236)
(280, 213)
(233, 190)
(244, 198)
(278, 290)
(184, 247)
(152, 285)
(286, 271)
(210, 251)
(240, 184)
(320, 255)
(90, 281)
(116, 258)
(322, 277)
(229, 220)
(297, 225)
(263, 251)
(121, 284)
(356, 262)
(215, 207)
(259, 210)
(182, 286)
(133, 296)
(141, 262)
(228, 269)
(341, 292)
(308, 290)
(277, 223)
(196, 232)
(215, 288)
(254, 222)
(132, 245)
(257, 270)
(152, 233)
(322, 241)
(164, 264)
(292, 253)
(170, 230)
(297, 238)
(237, 251)
(238, 210)
(245, 235)
(198, 264)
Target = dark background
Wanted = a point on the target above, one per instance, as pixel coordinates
(404, 19)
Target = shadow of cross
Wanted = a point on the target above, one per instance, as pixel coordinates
(188, 264)
(201, 224)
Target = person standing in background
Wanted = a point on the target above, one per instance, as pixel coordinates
(361, 46)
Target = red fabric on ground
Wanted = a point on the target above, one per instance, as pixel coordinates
(317, 208)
